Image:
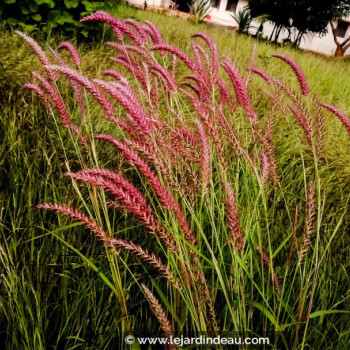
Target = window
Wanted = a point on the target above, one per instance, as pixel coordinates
(231, 5)
(341, 29)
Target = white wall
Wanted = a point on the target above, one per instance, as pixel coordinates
(221, 16)
(156, 3)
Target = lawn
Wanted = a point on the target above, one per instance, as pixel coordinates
(243, 196)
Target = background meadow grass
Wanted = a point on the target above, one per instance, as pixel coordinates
(51, 298)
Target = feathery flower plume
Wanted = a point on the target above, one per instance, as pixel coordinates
(202, 69)
(116, 75)
(175, 51)
(148, 151)
(243, 98)
(129, 63)
(105, 17)
(138, 27)
(179, 137)
(201, 89)
(174, 66)
(118, 33)
(214, 51)
(166, 75)
(164, 195)
(57, 56)
(40, 93)
(153, 32)
(146, 256)
(303, 123)
(194, 88)
(76, 87)
(265, 162)
(57, 100)
(205, 155)
(39, 53)
(127, 127)
(77, 215)
(251, 63)
(112, 242)
(225, 96)
(130, 198)
(298, 72)
(90, 86)
(160, 315)
(72, 50)
(134, 48)
(342, 117)
(134, 107)
(234, 228)
(266, 262)
(320, 145)
(261, 73)
(309, 221)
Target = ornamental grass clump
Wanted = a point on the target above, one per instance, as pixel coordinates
(201, 190)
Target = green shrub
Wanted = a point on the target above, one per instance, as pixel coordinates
(48, 15)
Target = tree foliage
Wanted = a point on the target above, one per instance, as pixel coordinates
(46, 15)
(305, 16)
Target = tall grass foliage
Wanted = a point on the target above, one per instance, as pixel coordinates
(224, 204)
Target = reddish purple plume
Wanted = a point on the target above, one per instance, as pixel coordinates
(72, 50)
(298, 72)
(342, 117)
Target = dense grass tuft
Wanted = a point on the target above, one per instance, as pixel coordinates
(215, 197)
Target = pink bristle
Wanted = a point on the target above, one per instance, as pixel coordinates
(72, 50)
(298, 72)
(40, 54)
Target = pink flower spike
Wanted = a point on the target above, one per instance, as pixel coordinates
(165, 197)
(130, 198)
(205, 156)
(342, 117)
(266, 167)
(267, 263)
(56, 100)
(131, 104)
(175, 51)
(232, 218)
(225, 96)
(153, 32)
(105, 17)
(118, 33)
(90, 86)
(77, 216)
(40, 93)
(141, 30)
(263, 74)
(243, 98)
(72, 50)
(303, 123)
(134, 48)
(298, 72)
(116, 75)
(57, 56)
(214, 51)
(166, 75)
(40, 54)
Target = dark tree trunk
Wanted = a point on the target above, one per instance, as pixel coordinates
(339, 52)
(273, 30)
